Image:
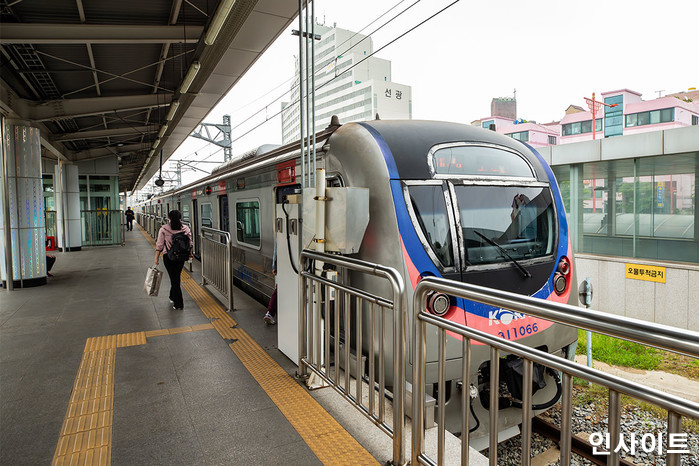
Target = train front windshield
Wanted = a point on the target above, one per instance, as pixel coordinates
(501, 220)
(504, 212)
(496, 221)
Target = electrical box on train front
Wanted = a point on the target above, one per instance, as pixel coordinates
(346, 218)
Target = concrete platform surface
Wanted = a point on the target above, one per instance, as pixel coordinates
(93, 369)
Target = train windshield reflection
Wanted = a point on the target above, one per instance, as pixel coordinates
(431, 212)
(519, 219)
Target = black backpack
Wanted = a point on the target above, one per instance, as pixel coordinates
(179, 250)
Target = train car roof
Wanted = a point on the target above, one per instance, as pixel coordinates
(245, 164)
(411, 140)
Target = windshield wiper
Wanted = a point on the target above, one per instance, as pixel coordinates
(524, 271)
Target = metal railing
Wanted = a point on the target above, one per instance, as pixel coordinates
(339, 302)
(102, 227)
(188, 265)
(157, 223)
(145, 221)
(51, 229)
(660, 336)
(123, 230)
(151, 223)
(216, 261)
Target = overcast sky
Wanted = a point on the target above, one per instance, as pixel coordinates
(553, 52)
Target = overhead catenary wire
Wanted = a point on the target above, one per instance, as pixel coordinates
(269, 117)
(314, 71)
(291, 78)
(196, 153)
(356, 64)
(377, 29)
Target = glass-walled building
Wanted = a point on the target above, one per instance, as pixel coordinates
(637, 208)
(632, 214)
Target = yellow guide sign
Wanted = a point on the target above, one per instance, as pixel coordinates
(649, 273)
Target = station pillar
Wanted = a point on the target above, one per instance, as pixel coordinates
(22, 221)
(68, 225)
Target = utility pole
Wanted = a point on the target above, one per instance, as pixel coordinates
(219, 135)
(594, 106)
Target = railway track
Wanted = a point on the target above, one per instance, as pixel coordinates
(579, 445)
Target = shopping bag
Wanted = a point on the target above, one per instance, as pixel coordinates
(153, 279)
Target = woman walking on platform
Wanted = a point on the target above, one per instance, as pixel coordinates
(175, 245)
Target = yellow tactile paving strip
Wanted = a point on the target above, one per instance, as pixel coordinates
(86, 434)
(328, 440)
(87, 428)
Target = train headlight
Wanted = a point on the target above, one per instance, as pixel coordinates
(562, 276)
(564, 265)
(438, 304)
(559, 283)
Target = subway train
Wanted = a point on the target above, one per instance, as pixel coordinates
(446, 200)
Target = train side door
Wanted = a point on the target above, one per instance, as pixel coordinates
(223, 213)
(195, 228)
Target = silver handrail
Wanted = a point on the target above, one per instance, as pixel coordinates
(122, 220)
(312, 353)
(216, 261)
(189, 266)
(660, 336)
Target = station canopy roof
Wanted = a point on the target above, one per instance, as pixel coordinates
(109, 78)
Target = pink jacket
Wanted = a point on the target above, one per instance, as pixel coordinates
(165, 236)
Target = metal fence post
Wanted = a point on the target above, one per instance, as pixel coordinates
(229, 275)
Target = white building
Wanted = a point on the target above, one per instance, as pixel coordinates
(349, 83)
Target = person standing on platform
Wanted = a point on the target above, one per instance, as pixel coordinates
(129, 218)
(175, 245)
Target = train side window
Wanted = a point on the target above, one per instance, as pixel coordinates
(431, 214)
(185, 213)
(247, 222)
(206, 215)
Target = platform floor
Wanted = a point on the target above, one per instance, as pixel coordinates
(92, 369)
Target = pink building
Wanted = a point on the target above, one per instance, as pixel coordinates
(630, 114)
(663, 113)
(532, 133)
